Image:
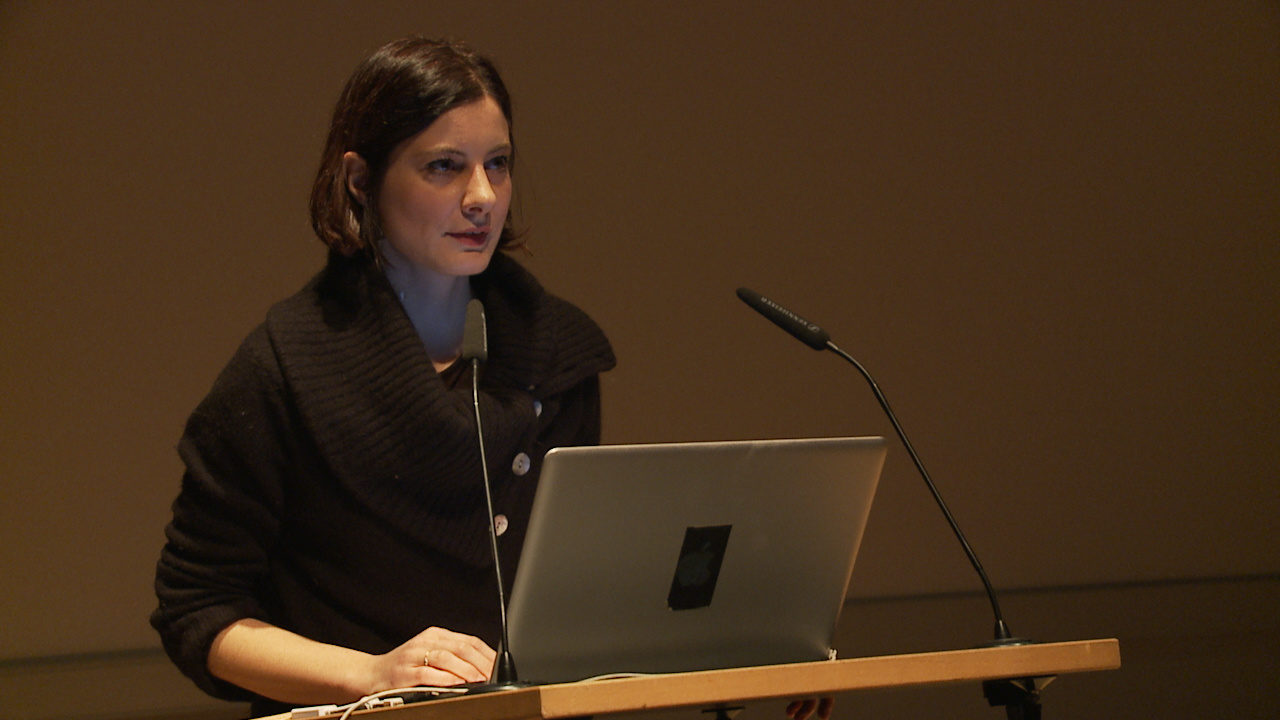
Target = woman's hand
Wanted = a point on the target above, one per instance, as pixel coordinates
(284, 666)
(433, 657)
(803, 709)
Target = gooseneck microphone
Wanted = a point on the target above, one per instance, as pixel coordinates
(818, 339)
(475, 347)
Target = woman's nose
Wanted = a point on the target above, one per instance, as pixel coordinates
(479, 196)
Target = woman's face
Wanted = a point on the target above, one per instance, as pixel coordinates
(447, 190)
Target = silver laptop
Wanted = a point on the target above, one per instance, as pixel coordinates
(689, 556)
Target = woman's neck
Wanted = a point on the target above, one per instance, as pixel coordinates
(436, 304)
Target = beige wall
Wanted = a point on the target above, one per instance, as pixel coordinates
(1049, 229)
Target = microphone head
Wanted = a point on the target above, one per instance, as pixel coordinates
(475, 342)
(803, 330)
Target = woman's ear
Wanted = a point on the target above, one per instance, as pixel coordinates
(356, 172)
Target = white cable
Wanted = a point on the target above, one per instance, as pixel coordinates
(378, 699)
(365, 701)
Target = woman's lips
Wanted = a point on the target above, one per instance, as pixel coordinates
(476, 238)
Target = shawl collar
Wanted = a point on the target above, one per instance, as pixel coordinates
(391, 432)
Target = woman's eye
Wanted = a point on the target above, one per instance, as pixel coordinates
(443, 165)
(501, 162)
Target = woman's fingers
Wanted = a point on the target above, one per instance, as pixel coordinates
(462, 658)
(459, 668)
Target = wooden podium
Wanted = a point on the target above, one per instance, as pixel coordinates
(714, 689)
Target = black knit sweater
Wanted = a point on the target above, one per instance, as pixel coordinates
(333, 483)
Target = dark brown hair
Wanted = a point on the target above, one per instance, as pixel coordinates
(392, 96)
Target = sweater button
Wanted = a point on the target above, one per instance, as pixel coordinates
(521, 464)
(500, 524)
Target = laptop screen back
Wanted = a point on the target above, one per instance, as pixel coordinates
(689, 556)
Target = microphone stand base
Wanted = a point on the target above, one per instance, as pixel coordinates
(1019, 696)
(1009, 642)
(492, 687)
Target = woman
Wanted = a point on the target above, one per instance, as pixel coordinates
(330, 537)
